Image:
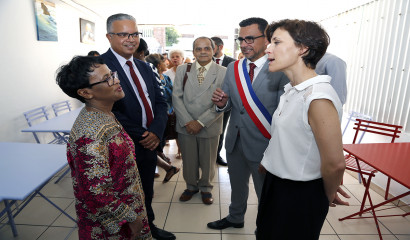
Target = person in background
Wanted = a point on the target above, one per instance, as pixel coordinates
(219, 57)
(223, 60)
(240, 56)
(143, 111)
(167, 62)
(157, 63)
(142, 50)
(176, 57)
(187, 60)
(93, 54)
(335, 67)
(247, 137)
(101, 155)
(305, 170)
(198, 124)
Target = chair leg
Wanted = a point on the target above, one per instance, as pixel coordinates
(386, 195)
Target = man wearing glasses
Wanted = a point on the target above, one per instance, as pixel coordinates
(143, 111)
(252, 92)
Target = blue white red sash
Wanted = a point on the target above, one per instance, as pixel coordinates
(257, 112)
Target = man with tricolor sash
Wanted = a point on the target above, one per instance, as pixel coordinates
(252, 93)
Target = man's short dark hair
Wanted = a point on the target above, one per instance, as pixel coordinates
(304, 33)
(218, 41)
(76, 74)
(262, 23)
(93, 53)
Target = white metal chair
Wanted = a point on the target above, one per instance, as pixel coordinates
(35, 115)
(61, 107)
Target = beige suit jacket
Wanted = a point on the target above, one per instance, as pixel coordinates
(194, 103)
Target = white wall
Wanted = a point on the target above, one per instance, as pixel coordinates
(28, 66)
(373, 39)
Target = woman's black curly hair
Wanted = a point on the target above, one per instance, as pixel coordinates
(76, 74)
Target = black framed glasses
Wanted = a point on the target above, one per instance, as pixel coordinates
(109, 80)
(248, 39)
(126, 35)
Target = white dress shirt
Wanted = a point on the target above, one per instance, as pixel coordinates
(126, 69)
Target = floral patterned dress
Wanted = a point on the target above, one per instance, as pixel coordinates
(106, 182)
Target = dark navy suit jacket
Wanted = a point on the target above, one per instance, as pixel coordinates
(128, 110)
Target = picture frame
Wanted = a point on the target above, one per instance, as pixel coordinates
(46, 24)
(87, 31)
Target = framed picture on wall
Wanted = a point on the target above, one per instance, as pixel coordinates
(45, 20)
(87, 31)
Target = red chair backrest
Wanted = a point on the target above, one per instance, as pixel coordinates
(377, 128)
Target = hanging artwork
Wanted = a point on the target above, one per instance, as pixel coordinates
(87, 31)
(46, 20)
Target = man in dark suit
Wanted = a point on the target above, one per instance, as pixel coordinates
(221, 59)
(142, 111)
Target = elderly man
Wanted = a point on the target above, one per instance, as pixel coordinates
(198, 123)
(253, 93)
(142, 111)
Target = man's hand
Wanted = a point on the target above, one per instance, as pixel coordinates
(219, 98)
(261, 169)
(337, 200)
(136, 228)
(150, 141)
(193, 127)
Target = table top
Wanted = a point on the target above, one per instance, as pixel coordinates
(391, 159)
(62, 123)
(26, 166)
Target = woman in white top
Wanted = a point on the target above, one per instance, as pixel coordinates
(304, 159)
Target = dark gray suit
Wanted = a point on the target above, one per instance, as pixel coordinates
(227, 60)
(244, 143)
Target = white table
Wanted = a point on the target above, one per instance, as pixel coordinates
(60, 125)
(25, 168)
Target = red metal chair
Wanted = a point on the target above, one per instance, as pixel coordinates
(362, 168)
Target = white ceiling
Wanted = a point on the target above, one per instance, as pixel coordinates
(218, 12)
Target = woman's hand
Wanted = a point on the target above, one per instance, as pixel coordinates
(337, 200)
(136, 228)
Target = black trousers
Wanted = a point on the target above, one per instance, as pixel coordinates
(291, 210)
(146, 162)
(221, 137)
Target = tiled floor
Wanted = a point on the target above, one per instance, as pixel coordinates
(40, 220)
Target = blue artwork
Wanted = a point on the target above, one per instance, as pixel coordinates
(46, 21)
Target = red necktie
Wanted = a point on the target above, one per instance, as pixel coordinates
(217, 61)
(252, 67)
(148, 110)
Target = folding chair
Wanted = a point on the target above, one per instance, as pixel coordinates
(34, 115)
(353, 115)
(360, 167)
(61, 106)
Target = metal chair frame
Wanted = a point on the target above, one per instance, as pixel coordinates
(61, 106)
(360, 167)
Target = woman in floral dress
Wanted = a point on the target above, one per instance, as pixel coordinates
(107, 187)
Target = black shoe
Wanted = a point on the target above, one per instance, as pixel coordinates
(224, 223)
(160, 234)
(220, 161)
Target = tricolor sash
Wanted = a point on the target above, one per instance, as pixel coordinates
(257, 112)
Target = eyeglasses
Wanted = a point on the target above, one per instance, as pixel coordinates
(248, 39)
(126, 35)
(109, 80)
